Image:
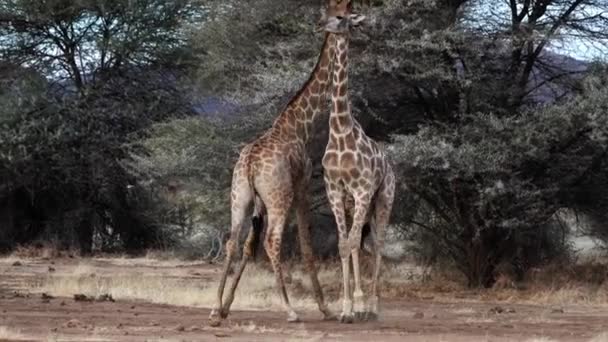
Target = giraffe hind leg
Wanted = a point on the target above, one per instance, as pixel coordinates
(337, 204)
(272, 245)
(242, 199)
(380, 219)
(302, 213)
(249, 250)
(362, 203)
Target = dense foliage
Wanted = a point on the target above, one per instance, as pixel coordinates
(491, 185)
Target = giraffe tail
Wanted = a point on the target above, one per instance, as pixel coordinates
(364, 234)
(257, 224)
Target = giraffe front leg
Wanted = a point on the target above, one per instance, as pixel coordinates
(354, 239)
(347, 303)
(335, 197)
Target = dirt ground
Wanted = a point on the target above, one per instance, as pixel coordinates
(25, 314)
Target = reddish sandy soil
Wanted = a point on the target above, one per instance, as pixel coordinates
(64, 319)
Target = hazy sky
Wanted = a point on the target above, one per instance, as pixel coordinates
(497, 13)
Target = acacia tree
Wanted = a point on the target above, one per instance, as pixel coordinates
(435, 60)
(491, 185)
(80, 40)
(535, 31)
(108, 70)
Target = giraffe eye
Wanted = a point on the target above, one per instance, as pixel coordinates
(339, 17)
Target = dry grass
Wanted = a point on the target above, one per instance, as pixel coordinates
(8, 334)
(42, 251)
(603, 337)
(579, 284)
(131, 281)
(256, 289)
(169, 283)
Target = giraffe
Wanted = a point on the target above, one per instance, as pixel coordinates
(271, 175)
(359, 180)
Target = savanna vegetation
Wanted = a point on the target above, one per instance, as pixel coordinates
(121, 121)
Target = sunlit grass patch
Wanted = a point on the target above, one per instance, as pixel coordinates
(256, 290)
(10, 334)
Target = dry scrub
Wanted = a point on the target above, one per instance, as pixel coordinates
(10, 334)
(130, 281)
(580, 284)
(256, 289)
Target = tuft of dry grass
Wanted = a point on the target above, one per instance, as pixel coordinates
(577, 284)
(8, 334)
(170, 283)
(540, 339)
(41, 251)
(256, 289)
(603, 337)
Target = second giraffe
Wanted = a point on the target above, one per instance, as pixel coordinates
(356, 170)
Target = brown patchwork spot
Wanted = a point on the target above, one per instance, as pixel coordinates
(344, 120)
(350, 142)
(365, 149)
(314, 101)
(333, 174)
(360, 164)
(347, 160)
(323, 75)
(300, 126)
(330, 158)
(342, 74)
(334, 124)
(343, 89)
(355, 173)
(314, 87)
(341, 144)
(343, 57)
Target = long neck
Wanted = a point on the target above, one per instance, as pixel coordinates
(340, 119)
(295, 122)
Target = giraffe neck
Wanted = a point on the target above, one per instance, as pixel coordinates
(340, 119)
(295, 122)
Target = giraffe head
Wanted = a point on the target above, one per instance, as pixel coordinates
(338, 18)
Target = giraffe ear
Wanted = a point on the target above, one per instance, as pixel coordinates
(356, 19)
(322, 22)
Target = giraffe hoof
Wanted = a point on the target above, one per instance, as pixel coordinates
(360, 316)
(293, 318)
(214, 319)
(371, 316)
(223, 313)
(329, 316)
(345, 318)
